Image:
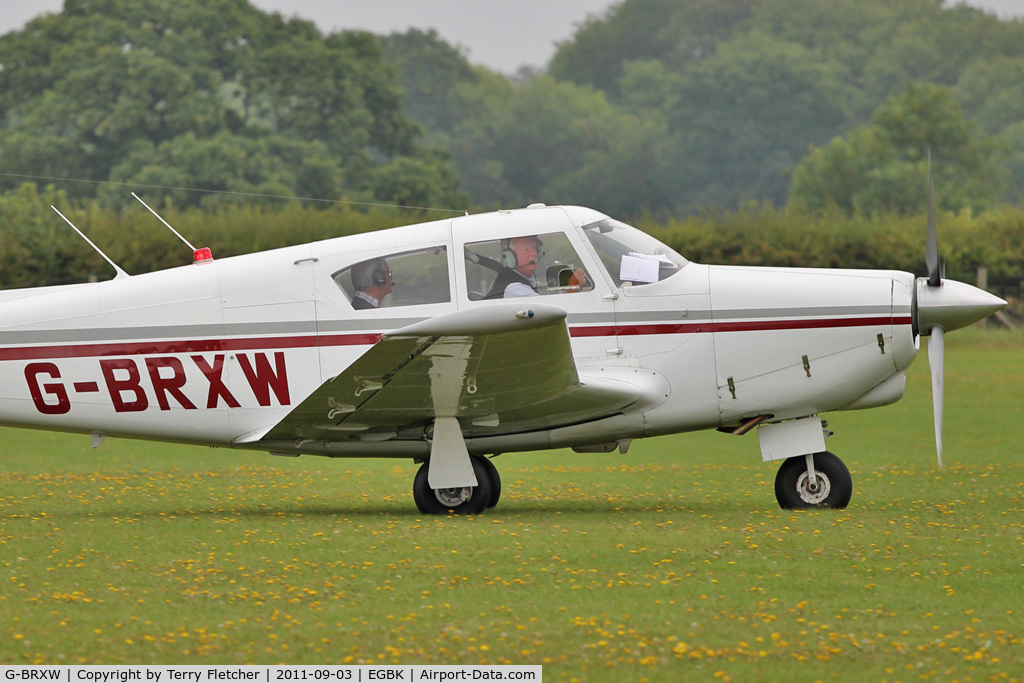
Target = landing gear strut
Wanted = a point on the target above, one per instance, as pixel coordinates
(820, 480)
(467, 500)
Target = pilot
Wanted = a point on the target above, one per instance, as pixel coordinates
(372, 281)
(519, 256)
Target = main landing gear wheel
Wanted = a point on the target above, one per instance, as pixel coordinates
(831, 486)
(492, 474)
(467, 500)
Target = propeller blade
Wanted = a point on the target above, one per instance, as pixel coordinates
(936, 360)
(931, 250)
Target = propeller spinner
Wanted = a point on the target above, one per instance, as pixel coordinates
(940, 306)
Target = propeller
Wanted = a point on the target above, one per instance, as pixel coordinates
(942, 305)
(937, 344)
(931, 248)
(936, 361)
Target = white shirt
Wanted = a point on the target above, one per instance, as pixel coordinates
(373, 301)
(517, 289)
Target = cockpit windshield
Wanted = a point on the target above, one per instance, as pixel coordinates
(632, 256)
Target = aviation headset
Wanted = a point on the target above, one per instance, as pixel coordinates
(508, 257)
(379, 275)
(372, 273)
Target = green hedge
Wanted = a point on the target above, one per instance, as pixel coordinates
(38, 248)
(764, 235)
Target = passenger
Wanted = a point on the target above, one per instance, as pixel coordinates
(372, 281)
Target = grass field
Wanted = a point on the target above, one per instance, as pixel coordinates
(670, 562)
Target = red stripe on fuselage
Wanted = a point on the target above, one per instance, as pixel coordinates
(744, 326)
(157, 348)
(154, 348)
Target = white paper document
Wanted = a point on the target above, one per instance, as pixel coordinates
(641, 267)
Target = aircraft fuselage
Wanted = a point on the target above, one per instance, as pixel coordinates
(217, 352)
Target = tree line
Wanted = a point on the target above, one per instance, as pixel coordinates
(681, 115)
(668, 107)
(676, 106)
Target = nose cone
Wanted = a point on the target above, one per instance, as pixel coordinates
(951, 305)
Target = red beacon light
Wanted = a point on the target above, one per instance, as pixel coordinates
(203, 255)
(200, 255)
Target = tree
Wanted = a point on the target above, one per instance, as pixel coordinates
(881, 166)
(743, 119)
(1013, 163)
(457, 104)
(423, 182)
(215, 93)
(433, 76)
(678, 34)
(990, 93)
(227, 163)
(548, 131)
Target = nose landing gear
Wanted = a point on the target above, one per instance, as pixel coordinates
(820, 480)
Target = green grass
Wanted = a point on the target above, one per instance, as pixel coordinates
(671, 561)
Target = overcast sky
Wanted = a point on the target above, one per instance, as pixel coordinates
(500, 34)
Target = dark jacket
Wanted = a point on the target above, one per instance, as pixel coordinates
(504, 278)
(360, 304)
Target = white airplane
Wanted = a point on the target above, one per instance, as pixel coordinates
(411, 343)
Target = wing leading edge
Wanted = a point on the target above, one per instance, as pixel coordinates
(503, 369)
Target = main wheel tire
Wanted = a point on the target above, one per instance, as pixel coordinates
(468, 500)
(832, 488)
(493, 477)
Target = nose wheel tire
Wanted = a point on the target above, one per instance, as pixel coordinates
(830, 487)
(467, 500)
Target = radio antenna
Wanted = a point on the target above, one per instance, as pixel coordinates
(120, 271)
(199, 255)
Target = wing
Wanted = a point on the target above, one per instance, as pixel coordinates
(501, 369)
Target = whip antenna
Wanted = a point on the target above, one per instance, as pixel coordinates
(200, 255)
(120, 272)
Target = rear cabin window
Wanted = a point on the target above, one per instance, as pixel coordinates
(409, 278)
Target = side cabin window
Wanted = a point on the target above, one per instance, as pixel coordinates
(409, 278)
(528, 265)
